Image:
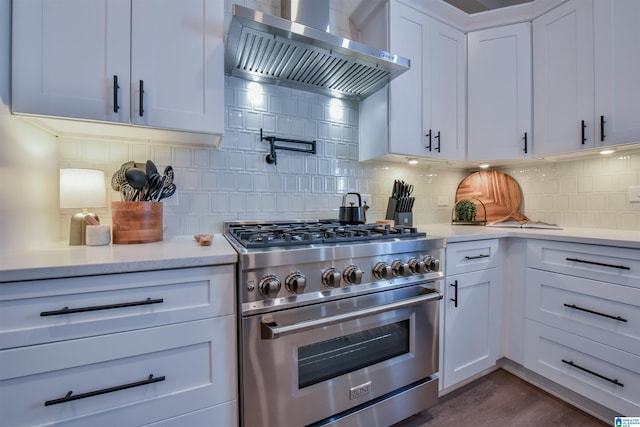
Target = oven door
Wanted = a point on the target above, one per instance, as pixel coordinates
(305, 364)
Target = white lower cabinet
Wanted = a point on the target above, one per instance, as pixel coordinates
(471, 332)
(110, 361)
(582, 320)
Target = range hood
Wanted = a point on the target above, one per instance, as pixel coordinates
(270, 49)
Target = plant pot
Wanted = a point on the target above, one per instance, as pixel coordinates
(136, 222)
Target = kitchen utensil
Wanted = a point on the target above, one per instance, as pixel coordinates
(167, 192)
(150, 168)
(352, 214)
(168, 172)
(499, 193)
(127, 192)
(137, 178)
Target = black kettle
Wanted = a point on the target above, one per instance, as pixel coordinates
(352, 214)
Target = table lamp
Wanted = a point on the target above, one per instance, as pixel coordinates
(81, 189)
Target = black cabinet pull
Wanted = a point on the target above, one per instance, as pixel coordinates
(526, 148)
(602, 122)
(116, 107)
(141, 98)
(428, 147)
(69, 396)
(455, 293)
(584, 138)
(621, 267)
(575, 307)
(570, 363)
(438, 138)
(476, 257)
(67, 310)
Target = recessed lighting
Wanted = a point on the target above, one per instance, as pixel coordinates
(608, 151)
(484, 166)
(412, 160)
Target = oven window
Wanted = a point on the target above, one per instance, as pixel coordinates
(328, 359)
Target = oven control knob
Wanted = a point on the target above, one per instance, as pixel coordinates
(382, 271)
(417, 266)
(353, 275)
(331, 277)
(269, 286)
(400, 268)
(433, 264)
(295, 283)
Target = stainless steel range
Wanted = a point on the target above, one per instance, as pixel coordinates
(338, 323)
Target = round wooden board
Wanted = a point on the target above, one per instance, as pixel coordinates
(500, 193)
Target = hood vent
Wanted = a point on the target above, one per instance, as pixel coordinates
(270, 49)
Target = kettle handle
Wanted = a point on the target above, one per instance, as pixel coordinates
(344, 199)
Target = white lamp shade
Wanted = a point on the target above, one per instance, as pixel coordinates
(82, 188)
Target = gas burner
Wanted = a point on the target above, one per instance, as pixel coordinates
(263, 235)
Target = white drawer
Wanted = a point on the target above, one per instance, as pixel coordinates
(114, 303)
(223, 415)
(196, 359)
(605, 263)
(600, 311)
(465, 257)
(601, 373)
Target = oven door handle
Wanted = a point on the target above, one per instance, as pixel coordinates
(270, 329)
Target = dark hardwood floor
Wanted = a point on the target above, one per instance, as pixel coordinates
(501, 399)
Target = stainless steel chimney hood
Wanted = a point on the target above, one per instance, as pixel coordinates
(270, 49)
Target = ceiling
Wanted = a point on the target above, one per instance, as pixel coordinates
(475, 6)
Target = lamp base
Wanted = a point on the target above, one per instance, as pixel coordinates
(78, 226)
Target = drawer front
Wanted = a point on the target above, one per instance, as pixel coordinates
(600, 311)
(192, 364)
(223, 415)
(601, 373)
(34, 312)
(471, 256)
(605, 263)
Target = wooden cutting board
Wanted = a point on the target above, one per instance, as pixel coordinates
(500, 193)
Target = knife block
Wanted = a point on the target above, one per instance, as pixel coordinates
(136, 222)
(403, 219)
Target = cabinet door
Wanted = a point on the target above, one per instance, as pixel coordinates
(409, 30)
(66, 56)
(472, 325)
(617, 59)
(563, 79)
(499, 75)
(445, 92)
(176, 57)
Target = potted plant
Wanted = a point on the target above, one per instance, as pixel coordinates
(465, 210)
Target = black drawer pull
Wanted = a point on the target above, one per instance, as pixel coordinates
(583, 127)
(477, 257)
(67, 310)
(428, 147)
(69, 396)
(438, 138)
(621, 267)
(621, 319)
(570, 363)
(455, 293)
(526, 147)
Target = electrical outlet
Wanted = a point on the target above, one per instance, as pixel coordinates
(634, 194)
(442, 200)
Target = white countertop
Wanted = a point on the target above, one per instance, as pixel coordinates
(62, 260)
(593, 236)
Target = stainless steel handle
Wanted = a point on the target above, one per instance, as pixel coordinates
(270, 330)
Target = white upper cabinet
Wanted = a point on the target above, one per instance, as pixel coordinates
(67, 55)
(563, 79)
(499, 93)
(421, 113)
(617, 61)
(89, 60)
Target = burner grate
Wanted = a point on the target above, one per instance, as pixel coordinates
(265, 235)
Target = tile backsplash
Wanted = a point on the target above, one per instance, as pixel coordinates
(235, 182)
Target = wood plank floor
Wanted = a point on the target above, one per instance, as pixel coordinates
(501, 399)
